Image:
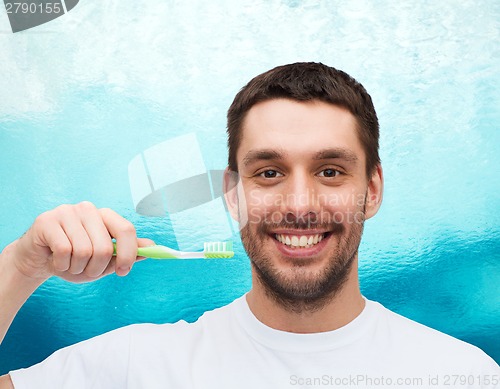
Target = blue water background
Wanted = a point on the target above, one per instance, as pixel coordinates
(84, 94)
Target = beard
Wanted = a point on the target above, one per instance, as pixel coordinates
(299, 289)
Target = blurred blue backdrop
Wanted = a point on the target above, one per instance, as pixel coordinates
(85, 93)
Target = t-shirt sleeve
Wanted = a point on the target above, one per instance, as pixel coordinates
(100, 362)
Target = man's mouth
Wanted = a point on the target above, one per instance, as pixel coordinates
(299, 240)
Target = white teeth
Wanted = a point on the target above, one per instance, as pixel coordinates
(299, 240)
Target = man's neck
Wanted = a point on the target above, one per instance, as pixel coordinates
(344, 307)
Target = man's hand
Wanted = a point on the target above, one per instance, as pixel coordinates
(74, 243)
(5, 382)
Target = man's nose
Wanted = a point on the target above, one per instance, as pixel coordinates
(301, 197)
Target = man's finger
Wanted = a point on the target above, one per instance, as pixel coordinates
(57, 242)
(80, 242)
(126, 240)
(145, 242)
(100, 238)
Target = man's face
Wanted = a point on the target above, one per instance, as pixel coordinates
(303, 178)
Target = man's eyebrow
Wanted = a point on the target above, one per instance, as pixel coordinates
(273, 154)
(262, 154)
(336, 153)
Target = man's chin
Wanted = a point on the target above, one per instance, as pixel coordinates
(300, 293)
(302, 284)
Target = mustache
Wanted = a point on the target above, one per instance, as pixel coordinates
(302, 222)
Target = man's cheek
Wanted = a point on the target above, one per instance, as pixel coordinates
(260, 206)
(256, 215)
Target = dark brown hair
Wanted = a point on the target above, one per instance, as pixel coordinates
(307, 81)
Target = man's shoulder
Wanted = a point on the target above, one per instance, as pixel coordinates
(209, 317)
(413, 332)
(410, 337)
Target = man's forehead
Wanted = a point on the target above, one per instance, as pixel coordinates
(278, 129)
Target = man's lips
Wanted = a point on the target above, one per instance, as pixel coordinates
(300, 243)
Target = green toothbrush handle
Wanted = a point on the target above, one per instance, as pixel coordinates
(156, 252)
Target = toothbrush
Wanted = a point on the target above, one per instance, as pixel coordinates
(210, 250)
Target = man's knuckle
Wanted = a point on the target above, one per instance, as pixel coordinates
(61, 265)
(128, 228)
(64, 208)
(105, 211)
(86, 206)
(43, 218)
(103, 252)
(84, 252)
(75, 270)
(62, 249)
(90, 272)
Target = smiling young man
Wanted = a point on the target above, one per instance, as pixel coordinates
(308, 190)
(303, 176)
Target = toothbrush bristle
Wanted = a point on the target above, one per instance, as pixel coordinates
(218, 249)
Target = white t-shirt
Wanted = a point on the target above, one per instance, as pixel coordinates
(230, 348)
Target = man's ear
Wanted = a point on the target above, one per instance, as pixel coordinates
(374, 192)
(231, 179)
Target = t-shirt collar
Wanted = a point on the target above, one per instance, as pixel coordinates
(311, 342)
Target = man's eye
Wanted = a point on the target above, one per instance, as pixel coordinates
(329, 173)
(270, 174)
